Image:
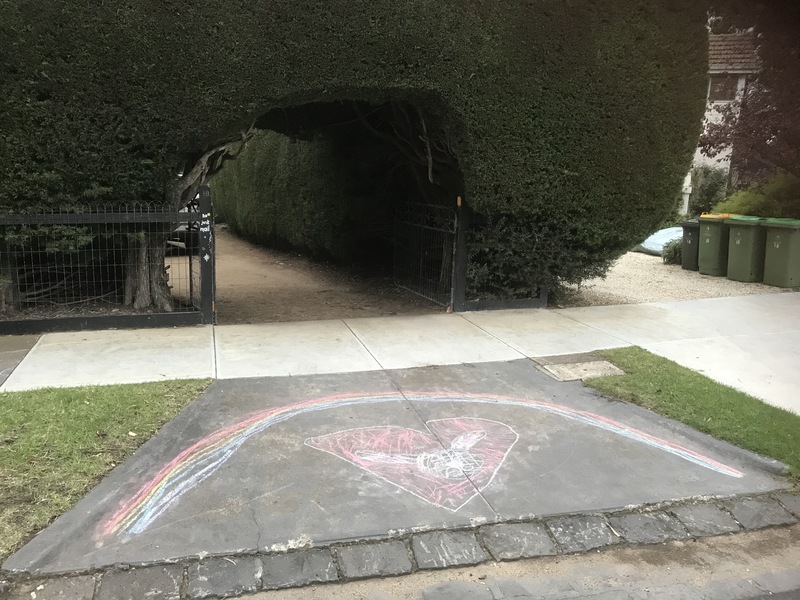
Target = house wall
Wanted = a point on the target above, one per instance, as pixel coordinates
(713, 115)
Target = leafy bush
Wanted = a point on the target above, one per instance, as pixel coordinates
(672, 253)
(778, 197)
(547, 105)
(709, 185)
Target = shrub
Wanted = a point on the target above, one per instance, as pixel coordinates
(546, 105)
(778, 197)
(672, 252)
(708, 188)
(300, 194)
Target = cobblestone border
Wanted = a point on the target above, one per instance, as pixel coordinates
(228, 576)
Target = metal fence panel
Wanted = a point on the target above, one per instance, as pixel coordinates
(425, 236)
(126, 260)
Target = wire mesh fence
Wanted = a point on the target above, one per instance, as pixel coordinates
(130, 259)
(425, 237)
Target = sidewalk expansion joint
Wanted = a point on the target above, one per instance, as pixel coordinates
(410, 552)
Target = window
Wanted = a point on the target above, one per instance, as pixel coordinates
(722, 88)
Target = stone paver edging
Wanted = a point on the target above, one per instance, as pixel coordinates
(228, 576)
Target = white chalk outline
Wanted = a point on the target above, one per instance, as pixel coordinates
(477, 489)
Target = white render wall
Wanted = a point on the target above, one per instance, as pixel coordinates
(722, 160)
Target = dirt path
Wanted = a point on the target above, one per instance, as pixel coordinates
(260, 285)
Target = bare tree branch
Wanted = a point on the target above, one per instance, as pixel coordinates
(207, 165)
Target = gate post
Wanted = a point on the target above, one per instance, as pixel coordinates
(459, 295)
(207, 260)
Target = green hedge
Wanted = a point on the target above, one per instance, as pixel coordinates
(287, 193)
(574, 122)
(324, 196)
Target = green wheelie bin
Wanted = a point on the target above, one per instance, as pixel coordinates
(691, 241)
(782, 256)
(746, 246)
(712, 255)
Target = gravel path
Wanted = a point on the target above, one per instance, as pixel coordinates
(636, 278)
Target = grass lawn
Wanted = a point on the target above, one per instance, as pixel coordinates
(681, 394)
(55, 444)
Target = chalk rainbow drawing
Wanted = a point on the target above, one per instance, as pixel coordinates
(199, 461)
(446, 466)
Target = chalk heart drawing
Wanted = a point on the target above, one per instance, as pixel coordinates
(446, 466)
(199, 461)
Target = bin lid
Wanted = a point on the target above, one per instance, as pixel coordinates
(715, 216)
(691, 224)
(787, 223)
(745, 220)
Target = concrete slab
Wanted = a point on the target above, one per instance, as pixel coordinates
(648, 528)
(271, 464)
(276, 349)
(442, 549)
(405, 342)
(580, 371)
(224, 577)
(289, 463)
(742, 315)
(512, 541)
(640, 324)
(705, 519)
(754, 513)
(156, 583)
(9, 362)
(749, 342)
(577, 451)
(542, 332)
(13, 348)
(582, 533)
(763, 365)
(110, 357)
(790, 502)
(568, 359)
(16, 343)
(297, 569)
(374, 560)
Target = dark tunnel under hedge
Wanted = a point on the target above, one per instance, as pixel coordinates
(573, 122)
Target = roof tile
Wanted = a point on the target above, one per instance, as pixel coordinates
(732, 52)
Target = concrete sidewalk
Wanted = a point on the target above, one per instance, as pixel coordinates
(750, 342)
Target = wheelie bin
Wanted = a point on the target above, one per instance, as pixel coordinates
(782, 255)
(712, 255)
(691, 241)
(746, 246)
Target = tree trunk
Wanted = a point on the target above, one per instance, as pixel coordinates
(160, 296)
(130, 271)
(9, 287)
(146, 280)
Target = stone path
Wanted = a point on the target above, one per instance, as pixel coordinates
(229, 576)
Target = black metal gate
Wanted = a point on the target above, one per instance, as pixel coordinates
(64, 270)
(196, 238)
(207, 257)
(425, 250)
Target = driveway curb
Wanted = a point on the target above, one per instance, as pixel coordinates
(233, 575)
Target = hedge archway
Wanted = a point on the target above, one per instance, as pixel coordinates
(573, 123)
